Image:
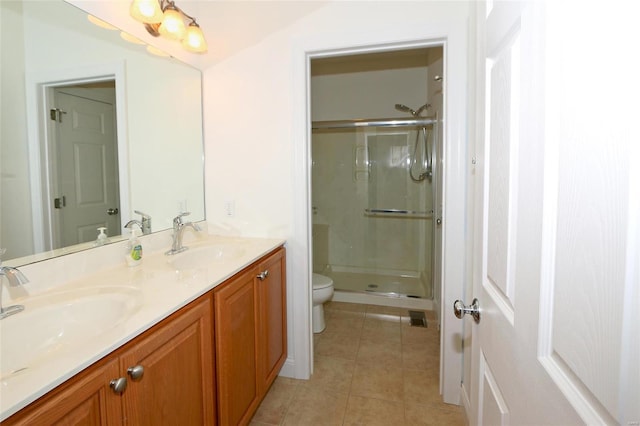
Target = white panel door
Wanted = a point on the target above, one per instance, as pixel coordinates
(558, 245)
(87, 168)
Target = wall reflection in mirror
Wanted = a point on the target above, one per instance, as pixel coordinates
(92, 128)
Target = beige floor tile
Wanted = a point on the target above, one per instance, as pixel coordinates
(381, 319)
(434, 415)
(316, 406)
(371, 368)
(419, 357)
(345, 322)
(334, 374)
(378, 381)
(373, 412)
(256, 423)
(421, 386)
(344, 306)
(385, 332)
(419, 335)
(388, 310)
(275, 404)
(380, 353)
(337, 345)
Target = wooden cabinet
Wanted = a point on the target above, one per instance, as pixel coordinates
(251, 337)
(272, 318)
(176, 384)
(176, 368)
(84, 400)
(170, 374)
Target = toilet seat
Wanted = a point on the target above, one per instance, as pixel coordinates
(321, 281)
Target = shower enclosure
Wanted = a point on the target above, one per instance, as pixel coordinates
(372, 198)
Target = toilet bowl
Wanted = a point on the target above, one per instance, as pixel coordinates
(322, 292)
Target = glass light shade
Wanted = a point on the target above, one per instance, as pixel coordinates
(155, 51)
(172, 26)
(146, 11)
(194, 40)
(131, 39)
(100, 23)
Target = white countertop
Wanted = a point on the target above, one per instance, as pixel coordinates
(159, 289)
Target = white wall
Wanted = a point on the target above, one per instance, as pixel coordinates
(15, 195)
(254, 107)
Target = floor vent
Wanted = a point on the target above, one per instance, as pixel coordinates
(417, 319)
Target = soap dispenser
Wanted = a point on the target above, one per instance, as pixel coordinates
(102, 237)
(133, 248)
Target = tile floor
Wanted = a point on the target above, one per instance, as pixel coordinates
(371, 368)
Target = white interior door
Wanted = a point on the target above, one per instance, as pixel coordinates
(557, 252)
(87, 168)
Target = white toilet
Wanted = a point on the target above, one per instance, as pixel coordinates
(322, 292)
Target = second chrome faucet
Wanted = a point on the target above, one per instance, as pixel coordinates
(178, 230)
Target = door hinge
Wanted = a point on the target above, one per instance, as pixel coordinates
(59, 203)
(55, 114)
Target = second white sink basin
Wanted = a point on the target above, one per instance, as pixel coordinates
(201, 257)
(53, 322)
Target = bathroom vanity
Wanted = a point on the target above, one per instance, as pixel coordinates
(210, 360)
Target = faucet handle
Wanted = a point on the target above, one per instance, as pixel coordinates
(178, 219)
(146, 222)
(144, 215)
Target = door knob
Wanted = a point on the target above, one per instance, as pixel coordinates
(459, 309)
(112, 212)
(438, 221)
(263, 275)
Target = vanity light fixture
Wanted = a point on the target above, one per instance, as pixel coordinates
(164, 18)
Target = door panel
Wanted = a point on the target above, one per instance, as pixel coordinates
(87, 167)
(557, 249)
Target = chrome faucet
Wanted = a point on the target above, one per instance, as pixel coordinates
(178, 230)
(145, 225)
(15, 278)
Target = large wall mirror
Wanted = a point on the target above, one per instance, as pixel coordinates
(92, 129)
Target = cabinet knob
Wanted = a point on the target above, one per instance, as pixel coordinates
(136, 372)
(118, 385)
(263, 275)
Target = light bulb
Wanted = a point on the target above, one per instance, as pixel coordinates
(146, 11)
(172, 25)
(194, 39)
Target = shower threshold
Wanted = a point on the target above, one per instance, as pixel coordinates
(391, 294)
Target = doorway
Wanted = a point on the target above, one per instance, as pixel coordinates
(375, 182)
(83, 163)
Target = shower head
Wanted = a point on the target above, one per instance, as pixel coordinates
(422, 108)
(404, 108)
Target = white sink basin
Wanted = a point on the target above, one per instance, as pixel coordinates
(52, 323)
(201, 257)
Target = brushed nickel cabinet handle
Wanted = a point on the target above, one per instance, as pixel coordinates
(136, 372)
(118, 385)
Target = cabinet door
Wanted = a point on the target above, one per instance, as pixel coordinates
(272, 323)
(86, 399)
(236, 349)
(177, 382)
